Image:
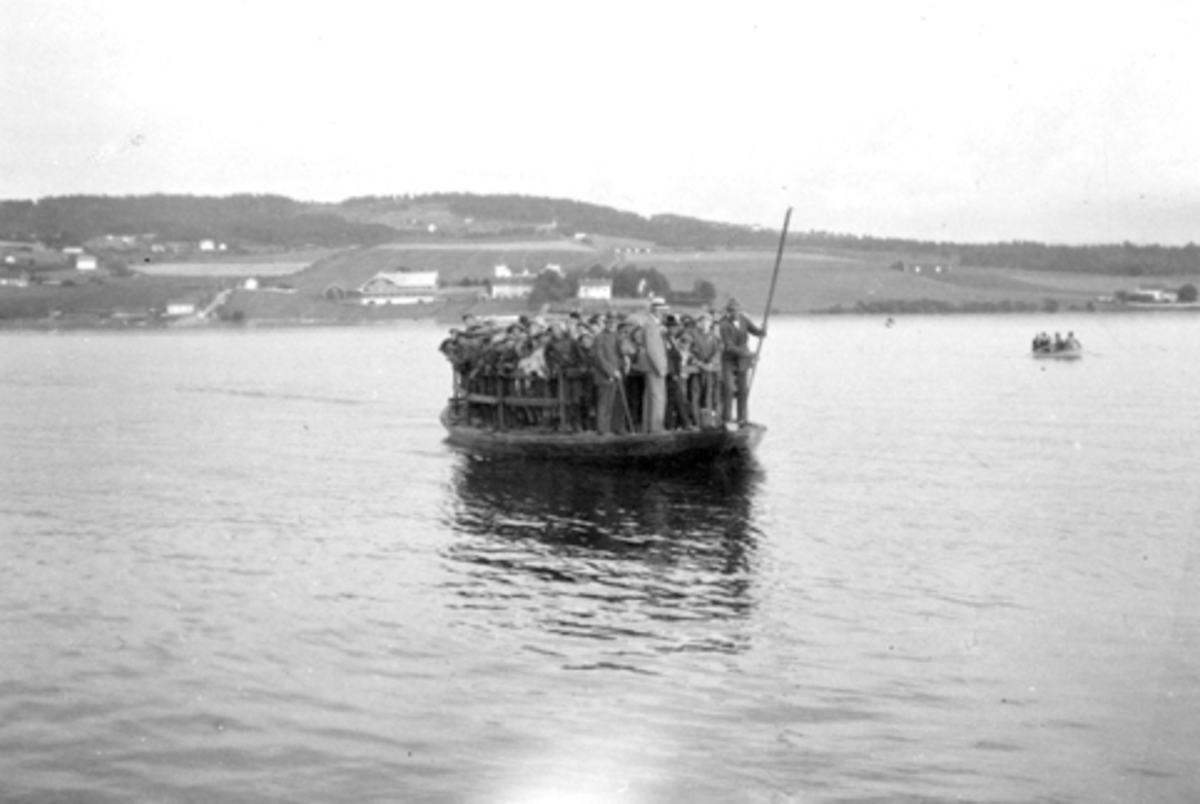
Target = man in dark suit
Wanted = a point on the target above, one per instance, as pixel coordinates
(606, 371)
(736, 360)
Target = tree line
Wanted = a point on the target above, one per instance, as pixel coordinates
(628, 282)
(259, 219)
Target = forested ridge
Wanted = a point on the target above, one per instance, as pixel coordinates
(259, 219)
(272, 220)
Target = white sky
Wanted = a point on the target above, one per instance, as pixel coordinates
(1060, 122)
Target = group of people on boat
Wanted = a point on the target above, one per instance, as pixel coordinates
(648, 371)
(1042, 342)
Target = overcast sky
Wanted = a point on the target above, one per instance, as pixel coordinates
(1060, 122)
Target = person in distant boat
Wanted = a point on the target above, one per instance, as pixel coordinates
(736, 360)
(1072, 341)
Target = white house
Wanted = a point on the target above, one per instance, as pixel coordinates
(595, 288)
(181, 307)
(403, 286)
(1154, 293)
(85, 262)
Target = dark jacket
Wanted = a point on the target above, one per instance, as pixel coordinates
(735, 335)
(606, 356)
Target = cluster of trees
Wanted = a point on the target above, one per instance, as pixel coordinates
(1125, 259)
(628, 282)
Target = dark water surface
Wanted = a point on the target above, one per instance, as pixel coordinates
(243, 566)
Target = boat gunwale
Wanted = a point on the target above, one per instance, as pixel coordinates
(590, 446)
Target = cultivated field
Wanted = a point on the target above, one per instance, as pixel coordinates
(239, 266)
(138, 295)
(241, 270)
(818, 282)
(497, 246)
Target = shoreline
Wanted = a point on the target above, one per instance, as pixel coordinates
(441, 318)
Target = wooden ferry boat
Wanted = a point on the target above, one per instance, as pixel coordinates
(672, 448)
(506, 417)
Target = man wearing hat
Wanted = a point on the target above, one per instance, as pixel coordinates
(736, 360)
(606, 371)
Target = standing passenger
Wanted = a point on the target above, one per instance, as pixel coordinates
(736, 360)
(606, 370)
(706, 355)
(679, 412)
(655, 351)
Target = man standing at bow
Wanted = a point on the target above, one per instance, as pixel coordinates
(736, 360)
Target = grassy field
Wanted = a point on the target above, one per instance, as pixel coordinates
(272, 263)
(814, 282)
(101, 299)
(223, 269)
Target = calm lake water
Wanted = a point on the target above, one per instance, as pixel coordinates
(244, 567)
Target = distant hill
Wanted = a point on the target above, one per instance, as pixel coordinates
(270, 220)
(248, 222)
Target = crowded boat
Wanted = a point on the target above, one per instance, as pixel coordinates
(1043, 343)
(607, 373)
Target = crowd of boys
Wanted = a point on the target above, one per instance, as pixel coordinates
(608, 373)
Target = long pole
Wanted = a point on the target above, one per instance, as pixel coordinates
(770, 298)
(624, 402)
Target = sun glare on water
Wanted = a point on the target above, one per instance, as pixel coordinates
(594, 772)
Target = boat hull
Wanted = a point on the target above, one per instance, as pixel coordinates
(1061, 354)
(679, 447)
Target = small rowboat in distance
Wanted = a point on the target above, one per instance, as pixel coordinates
(1065, 353)
(678, 448)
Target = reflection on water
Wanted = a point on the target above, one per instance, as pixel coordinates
(606, 553)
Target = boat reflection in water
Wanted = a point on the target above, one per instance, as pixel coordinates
(663, 561)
